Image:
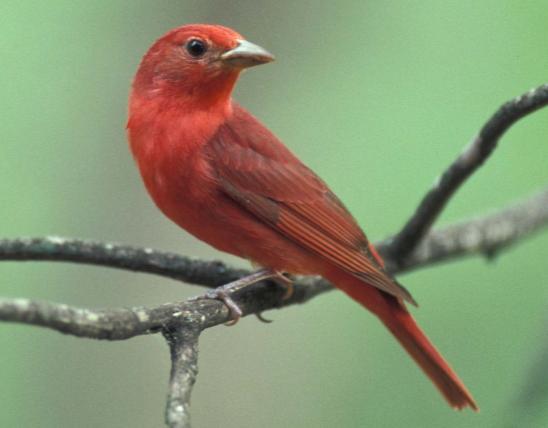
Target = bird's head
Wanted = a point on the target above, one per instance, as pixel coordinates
(198, 60)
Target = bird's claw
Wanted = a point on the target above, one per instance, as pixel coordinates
(261, 318)
(286, 283)
(223, 295)
(289, 290)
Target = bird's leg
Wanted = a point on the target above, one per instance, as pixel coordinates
(224, 292)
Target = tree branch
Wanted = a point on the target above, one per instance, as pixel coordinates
(121, 324)
(170, 265)
(473, 156)
(181, 323)
(485, 235)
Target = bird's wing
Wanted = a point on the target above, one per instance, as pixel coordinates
(258, 172)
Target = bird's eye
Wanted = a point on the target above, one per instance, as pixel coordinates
(196, 47)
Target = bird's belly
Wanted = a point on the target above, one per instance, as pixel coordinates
(206, 212)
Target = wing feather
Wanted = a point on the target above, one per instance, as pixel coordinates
(257, 171)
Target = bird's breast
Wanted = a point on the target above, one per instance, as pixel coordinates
(167, 146)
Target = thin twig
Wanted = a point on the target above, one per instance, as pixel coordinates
(465, 165)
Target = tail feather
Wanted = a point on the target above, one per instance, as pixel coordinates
(399, 321)
(408, 333)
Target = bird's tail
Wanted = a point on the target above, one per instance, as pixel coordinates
(399, 321)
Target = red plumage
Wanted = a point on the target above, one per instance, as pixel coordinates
(217, 172)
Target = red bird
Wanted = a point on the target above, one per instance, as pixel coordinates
(220, 174)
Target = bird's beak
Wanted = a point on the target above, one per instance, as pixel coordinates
(245, 55)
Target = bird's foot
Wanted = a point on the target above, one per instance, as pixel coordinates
(287, 283)
(223, 295)
(224, 292)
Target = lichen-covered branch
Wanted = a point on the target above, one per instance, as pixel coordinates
(120, 324)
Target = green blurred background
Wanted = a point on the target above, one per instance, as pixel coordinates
(377, 97)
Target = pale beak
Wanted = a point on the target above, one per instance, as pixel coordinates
(245, 55)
